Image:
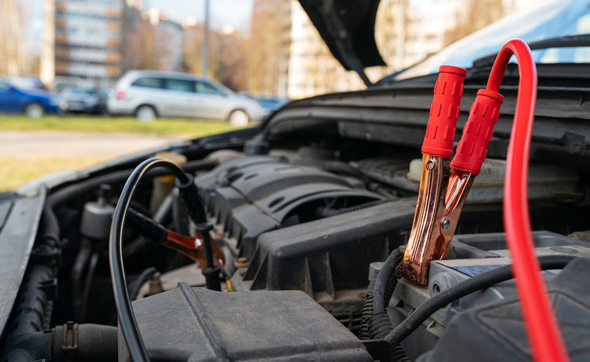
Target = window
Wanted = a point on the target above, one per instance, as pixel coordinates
(148, 83)
(205, 88)
(4, 88)
(180, 85)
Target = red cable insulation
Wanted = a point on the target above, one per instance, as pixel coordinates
(541, 324)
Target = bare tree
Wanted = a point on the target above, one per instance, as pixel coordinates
(268, 48)
(191, 48)
(231, 68)
(479, 13)
(12, 38)
(139, 42)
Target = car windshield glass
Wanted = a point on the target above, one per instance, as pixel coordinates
(148, 83)
(552, 20)
(27, 83)
(78, 91)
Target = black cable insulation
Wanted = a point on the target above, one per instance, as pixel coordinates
(385, 283)
(386, 273)
(128, 323)
(67, 193)
(478, 282)
(143, 278)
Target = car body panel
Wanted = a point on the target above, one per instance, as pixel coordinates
(558, 18)
(19, 218)
(14, 99)
(178, 95)
(81, 99)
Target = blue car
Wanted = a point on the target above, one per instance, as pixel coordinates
(34, 103)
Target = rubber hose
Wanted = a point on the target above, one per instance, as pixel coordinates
(49, 226)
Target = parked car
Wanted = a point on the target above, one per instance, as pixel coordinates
(28, 82)
(150, 94)
(85, 100)
(32, 102)
(303, 210)
(272, 103)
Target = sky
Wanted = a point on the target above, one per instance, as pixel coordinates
(236, 13)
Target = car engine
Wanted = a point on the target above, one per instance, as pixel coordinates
(299, 216)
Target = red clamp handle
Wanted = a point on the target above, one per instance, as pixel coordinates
(473, 147)
(444, 112)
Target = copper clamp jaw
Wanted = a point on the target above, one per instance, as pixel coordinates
(440, 199)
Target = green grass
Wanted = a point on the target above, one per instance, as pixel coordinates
(17, 171)
(126, 125)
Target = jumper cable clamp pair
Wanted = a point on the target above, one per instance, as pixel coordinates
(445, 184)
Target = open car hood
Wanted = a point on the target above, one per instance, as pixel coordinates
(348, 28)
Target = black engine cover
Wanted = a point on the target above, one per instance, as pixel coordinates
(496, 332)
(252, 195)
(190, 324)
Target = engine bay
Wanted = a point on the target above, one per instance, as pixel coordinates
(299, 216)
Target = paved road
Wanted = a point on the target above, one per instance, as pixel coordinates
(69, 144)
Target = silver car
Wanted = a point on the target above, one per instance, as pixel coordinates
(150, 94)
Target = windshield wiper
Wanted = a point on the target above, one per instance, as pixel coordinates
(570, 41)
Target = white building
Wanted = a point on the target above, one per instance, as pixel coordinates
(88, 39)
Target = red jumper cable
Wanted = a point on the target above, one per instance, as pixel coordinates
(444, 188)
(542, 328)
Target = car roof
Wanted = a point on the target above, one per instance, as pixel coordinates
(164, 74)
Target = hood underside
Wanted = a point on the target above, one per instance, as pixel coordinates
(348, 28)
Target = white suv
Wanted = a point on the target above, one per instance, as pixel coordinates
(149, 94)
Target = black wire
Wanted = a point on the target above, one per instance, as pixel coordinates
(127, 320)
(378, 321)
(143, 278)
(77, 189)
(385, 274)
(479, 282)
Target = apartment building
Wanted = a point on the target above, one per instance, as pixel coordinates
(88, 40)
(312, 68)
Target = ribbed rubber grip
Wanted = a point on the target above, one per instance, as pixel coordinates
(473, 147)
(444, 112)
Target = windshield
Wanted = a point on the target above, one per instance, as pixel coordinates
(78, 91)
(27, 83)
(556, 19)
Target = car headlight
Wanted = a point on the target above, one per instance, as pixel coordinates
(54, 101)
